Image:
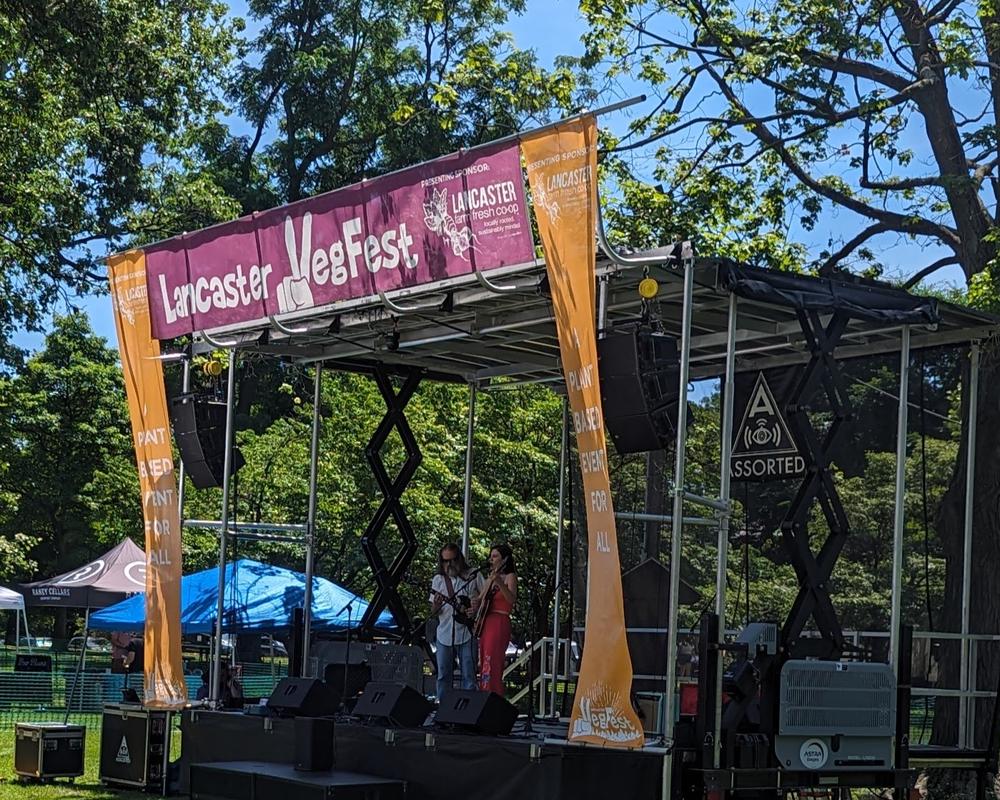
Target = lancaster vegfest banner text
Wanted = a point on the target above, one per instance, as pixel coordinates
(449, 217)
(147, 403)
(562, 173)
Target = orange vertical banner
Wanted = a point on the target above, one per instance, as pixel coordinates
(562, 173)
(147, 402)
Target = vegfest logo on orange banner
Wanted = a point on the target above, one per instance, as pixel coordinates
(562, 166)
(147, 402)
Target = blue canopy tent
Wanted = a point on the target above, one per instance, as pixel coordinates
(258, 597)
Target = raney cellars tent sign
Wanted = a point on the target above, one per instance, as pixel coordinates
(449, 217)
(114, 576)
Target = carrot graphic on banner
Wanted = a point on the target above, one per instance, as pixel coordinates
(562, 173)
(147, 402)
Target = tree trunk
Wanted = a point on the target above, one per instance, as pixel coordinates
(984, 597)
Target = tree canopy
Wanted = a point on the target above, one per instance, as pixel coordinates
(777, 119)
(95, 96)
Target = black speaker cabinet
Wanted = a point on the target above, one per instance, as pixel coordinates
(640, 375)
(486, 712)
(395, 703)
(133, 740)
(200, 432)
(48, 750)
(303, 697)
(313, 744)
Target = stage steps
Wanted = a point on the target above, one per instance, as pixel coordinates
(259, 780)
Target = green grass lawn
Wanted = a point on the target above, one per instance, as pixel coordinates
(87, 787)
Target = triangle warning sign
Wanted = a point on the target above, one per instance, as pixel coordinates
(123, 756)
(763, 447)
(763, 430)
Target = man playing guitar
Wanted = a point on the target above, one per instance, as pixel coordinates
(454, 599)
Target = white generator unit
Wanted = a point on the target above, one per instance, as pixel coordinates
(836, 715)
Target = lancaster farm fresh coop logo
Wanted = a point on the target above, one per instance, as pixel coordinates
(565, 191)
(128, 296)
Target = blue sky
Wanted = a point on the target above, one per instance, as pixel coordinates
(552, 28)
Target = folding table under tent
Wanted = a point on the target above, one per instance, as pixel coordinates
(14, 601)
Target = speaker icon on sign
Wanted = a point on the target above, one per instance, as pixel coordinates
(762, 434)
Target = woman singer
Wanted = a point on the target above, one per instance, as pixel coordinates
(496, 602)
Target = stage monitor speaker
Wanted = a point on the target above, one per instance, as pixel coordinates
(640, 376)
(303, 697)
(313, 744)
(395, 703)
(486, 712)
(200, 431)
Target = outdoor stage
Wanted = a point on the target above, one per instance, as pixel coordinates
(435, 764)
(473, 305)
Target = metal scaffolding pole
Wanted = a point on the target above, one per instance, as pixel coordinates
(185, 388)
(665, 519)
(678, 522)
(900, 501)
(966, 737)
(563, 457)
(467, 496)
(311, 521)
(227, 471)
(726, 450)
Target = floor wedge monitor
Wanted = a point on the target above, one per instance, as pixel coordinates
(303, 697)
(486, 712)
(394, 703)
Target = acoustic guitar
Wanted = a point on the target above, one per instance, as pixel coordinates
(486, 605)
(460, 605)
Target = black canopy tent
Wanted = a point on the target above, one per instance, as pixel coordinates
(102, 582)
(106, 580)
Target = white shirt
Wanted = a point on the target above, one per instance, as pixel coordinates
(447, 628)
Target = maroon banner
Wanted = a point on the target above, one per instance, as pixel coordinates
(449, 217)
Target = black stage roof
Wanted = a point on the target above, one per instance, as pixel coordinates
(501, 328)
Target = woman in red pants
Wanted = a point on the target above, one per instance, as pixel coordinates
(499, 595)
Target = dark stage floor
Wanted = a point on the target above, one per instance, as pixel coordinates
(435, 764)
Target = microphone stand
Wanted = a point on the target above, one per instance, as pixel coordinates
(347, 656)
(531, 691)
(348, 607)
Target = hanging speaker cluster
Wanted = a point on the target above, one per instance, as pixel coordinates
(200, 432)
(640, 374)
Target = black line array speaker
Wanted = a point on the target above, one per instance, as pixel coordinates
(200, 431)
(640, 374)
(303, 697)
(395, 703)
(486, 712)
